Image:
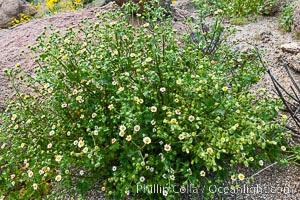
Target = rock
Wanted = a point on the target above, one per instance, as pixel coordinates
(266, 36)
(101, 2)
(293, 48)
(10, 9)
(296, 20)
(294, 62)
(185, 5)
(97, 3)
(26, 8)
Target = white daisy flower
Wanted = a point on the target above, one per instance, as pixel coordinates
(30, 173)
(80, 143)
(49, 146)
(35, 186)
(136, 128)
(283, 148)
(165, 193)
(172, 177)
(58, 178)
(111, 106)
(51, 132)
(209, 150)
(85, 150)
(147, 140)
(122, 133)
(167, 147)
(46, 86)
(79, 99)
(153, 109)
(140, 101)
(174, 121)
(148, 59)
(142, 179)
(121, 89)
(128, 138)
(225, 89)
(122, 128)
(132, 55)
(58, 158)
(191, 118)
(233, 178)
(64, 105)
(162, 89)
(13, 117)
(202, 173)
(94, 115)
(181, 136)
(241, 176)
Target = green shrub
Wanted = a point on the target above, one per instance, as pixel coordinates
(239, 21)
(238, 8)
(286, 17)
(115, 105)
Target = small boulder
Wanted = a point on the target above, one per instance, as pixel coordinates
(185, 5)
(293, 47)
(294, 62)
(10, 9)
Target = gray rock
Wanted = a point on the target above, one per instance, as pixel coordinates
(185, 5)
(296, 20)
(293, 47)
(10, 9)
(294, 62)
(100, 2)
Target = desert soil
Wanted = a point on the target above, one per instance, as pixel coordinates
(281, 183)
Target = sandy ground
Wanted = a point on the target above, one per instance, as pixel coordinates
(264, 34)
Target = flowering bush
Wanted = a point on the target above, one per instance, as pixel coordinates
(56, 6)
(48, 7)
(21, 18)
(115, 106)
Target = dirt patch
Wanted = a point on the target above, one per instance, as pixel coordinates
(264, 34)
